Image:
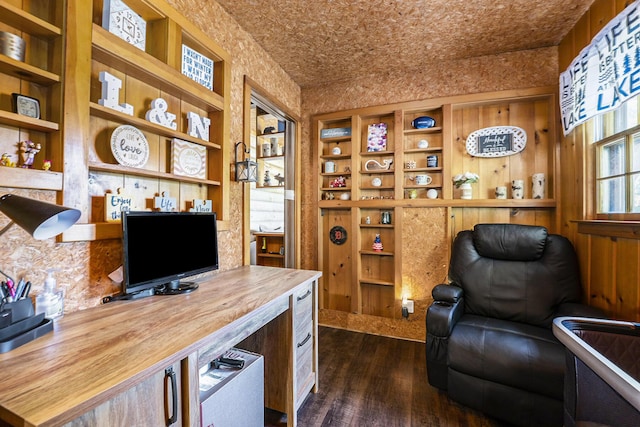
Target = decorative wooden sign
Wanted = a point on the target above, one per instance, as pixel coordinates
(111, 86)
(115, 204)
(121, 20)
(129, 146)
(189, 159)
(200, 205)
(197, 67)
(198, 126)
(335, 132)
(158, 114)
(497, 141)
(494, 143)
(164, 203)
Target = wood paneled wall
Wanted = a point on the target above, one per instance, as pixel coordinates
(608, 252)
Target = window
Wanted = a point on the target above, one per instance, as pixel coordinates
(617, 138)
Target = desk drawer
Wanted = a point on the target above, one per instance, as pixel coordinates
(305, 377)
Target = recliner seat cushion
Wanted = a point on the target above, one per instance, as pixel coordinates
(515, 354)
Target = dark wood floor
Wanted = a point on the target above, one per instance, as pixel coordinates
(370, 381)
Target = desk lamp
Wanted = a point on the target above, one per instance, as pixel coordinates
(40, 219)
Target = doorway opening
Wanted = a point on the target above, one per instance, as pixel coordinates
(271, 209)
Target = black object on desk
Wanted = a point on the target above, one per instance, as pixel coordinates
(25, 325)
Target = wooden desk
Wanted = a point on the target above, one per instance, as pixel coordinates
(105, 366)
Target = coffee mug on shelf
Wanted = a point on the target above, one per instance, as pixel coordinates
(423, 179)
(432, 161)
(329, 167)
(385, 217)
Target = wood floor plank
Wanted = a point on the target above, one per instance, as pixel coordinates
(372, 381)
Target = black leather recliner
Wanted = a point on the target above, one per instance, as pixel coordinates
(489, 339)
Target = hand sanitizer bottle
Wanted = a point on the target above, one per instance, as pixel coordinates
(51, 300)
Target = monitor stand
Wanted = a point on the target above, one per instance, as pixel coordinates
(135, 295)
(176, 287)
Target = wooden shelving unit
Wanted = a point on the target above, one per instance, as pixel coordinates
(377, 277)
(148, 74)
(270, 249)
(40, 25)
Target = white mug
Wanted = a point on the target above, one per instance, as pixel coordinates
(329, 167)
(423, 179)
(501, 192)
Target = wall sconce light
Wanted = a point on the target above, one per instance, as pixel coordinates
(246, 170)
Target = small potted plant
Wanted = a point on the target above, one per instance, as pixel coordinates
(463, 182)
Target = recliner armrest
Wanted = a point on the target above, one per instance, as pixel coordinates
(447, 293)
(444, 313)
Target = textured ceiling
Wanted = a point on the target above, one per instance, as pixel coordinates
(330, 40)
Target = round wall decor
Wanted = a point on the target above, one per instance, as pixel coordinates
(338, 235)
(129, 146)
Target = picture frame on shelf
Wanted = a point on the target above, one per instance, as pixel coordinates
(197, 67)
(377, 137)
(122, 21)
(26, 106)
(189, 159)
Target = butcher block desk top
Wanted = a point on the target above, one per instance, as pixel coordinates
(95, 354)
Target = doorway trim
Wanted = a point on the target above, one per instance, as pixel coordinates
(253, 89)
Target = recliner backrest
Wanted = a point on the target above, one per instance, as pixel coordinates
(515, 272)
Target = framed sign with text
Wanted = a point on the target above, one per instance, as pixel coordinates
(197, 67)
(497, 141)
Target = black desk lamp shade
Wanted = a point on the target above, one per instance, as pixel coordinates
(40, 219)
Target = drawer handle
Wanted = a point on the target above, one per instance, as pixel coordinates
(170, 378)
(305, 295)
(305, 340)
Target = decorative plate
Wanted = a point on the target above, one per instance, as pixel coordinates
(423, 122)
(497, 141)
(129, 146)
(338, 235)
